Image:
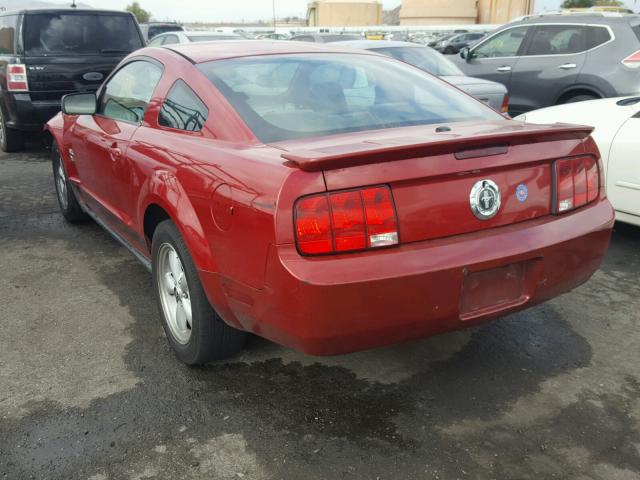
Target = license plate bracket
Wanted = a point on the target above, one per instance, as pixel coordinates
(490, 291)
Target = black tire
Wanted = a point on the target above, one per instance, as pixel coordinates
(11, 140)
(67, 201)
(210, 337)
(580, 98)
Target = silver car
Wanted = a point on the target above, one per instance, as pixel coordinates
(492, 93)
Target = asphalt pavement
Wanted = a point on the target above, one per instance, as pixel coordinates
(89, 388)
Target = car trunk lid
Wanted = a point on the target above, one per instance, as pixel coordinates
(433, 170)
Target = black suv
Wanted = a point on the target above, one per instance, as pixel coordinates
(47, 53)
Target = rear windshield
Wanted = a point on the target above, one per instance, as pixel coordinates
(296, 96)
(424, 58)
(158, 29)
(47, 34)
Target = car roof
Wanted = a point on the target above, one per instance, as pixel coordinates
(206, 52)
(201, 33)
(66, 10)
(373, 44)
(587, 17)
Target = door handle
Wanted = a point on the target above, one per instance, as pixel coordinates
(504, 69)
(115, 153)
(568, 66)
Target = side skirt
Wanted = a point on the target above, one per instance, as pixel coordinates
(141, 258)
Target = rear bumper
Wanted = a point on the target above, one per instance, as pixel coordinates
(346, 303)
(25, 114)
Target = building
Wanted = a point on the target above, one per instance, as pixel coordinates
(344, 13)
(462, 12)
(503, 11)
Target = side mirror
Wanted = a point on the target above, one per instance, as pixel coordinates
(79, 104)
(465, 53)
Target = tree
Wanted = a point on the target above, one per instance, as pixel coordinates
(141, 14)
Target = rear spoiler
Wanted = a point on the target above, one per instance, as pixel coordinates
(430, 144)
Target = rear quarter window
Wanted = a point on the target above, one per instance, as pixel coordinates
(597, 36)
(183, 109)
(7, 34)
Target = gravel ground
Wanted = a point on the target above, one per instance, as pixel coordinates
(89, 388)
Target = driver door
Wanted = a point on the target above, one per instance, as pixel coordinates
(100, 142)
(495, 58)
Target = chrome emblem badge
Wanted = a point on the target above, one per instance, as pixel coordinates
(485, 199)
(93, 76)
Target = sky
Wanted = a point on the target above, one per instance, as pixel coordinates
(239, 10)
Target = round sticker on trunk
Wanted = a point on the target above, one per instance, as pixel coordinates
(522, 192)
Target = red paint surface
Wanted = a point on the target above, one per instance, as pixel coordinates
(232, 199)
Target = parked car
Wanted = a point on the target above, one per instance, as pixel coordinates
(274, 36)
(617, 123)
(330, 201)
(439, 37)
(325, 37)
(493, 94)
(454, 44)
(47, 53)
(151, 29)
(549, 60)
(174, 38)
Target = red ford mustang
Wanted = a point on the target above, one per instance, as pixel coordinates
(328, 200)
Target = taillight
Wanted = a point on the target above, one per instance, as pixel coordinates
(346, 221)
(504, 108)
(17, 78)
(633, 60)
(577, 182)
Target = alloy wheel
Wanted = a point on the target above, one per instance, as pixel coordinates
(174, 293)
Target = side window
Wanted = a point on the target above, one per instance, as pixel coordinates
(503, 44)
(596, 36)
(183, 109)
(557, 40)
(170, 40)
(7, 34)
(127, 94)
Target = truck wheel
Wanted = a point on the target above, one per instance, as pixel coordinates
(69, 206)
(195, 331)
(11, 140)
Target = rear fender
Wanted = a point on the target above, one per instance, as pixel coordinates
(164, 189)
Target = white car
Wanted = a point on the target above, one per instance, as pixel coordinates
(617, 133)
(172, 38)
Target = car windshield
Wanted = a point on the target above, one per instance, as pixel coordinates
(78, 33)
(283, 97)
(424, 58)
(213, 37)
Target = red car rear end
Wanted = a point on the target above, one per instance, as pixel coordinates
(330, 288)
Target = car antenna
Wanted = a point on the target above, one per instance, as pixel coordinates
(73, 4)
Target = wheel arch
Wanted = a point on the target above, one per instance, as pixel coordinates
(575, 90)
(163, 198)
